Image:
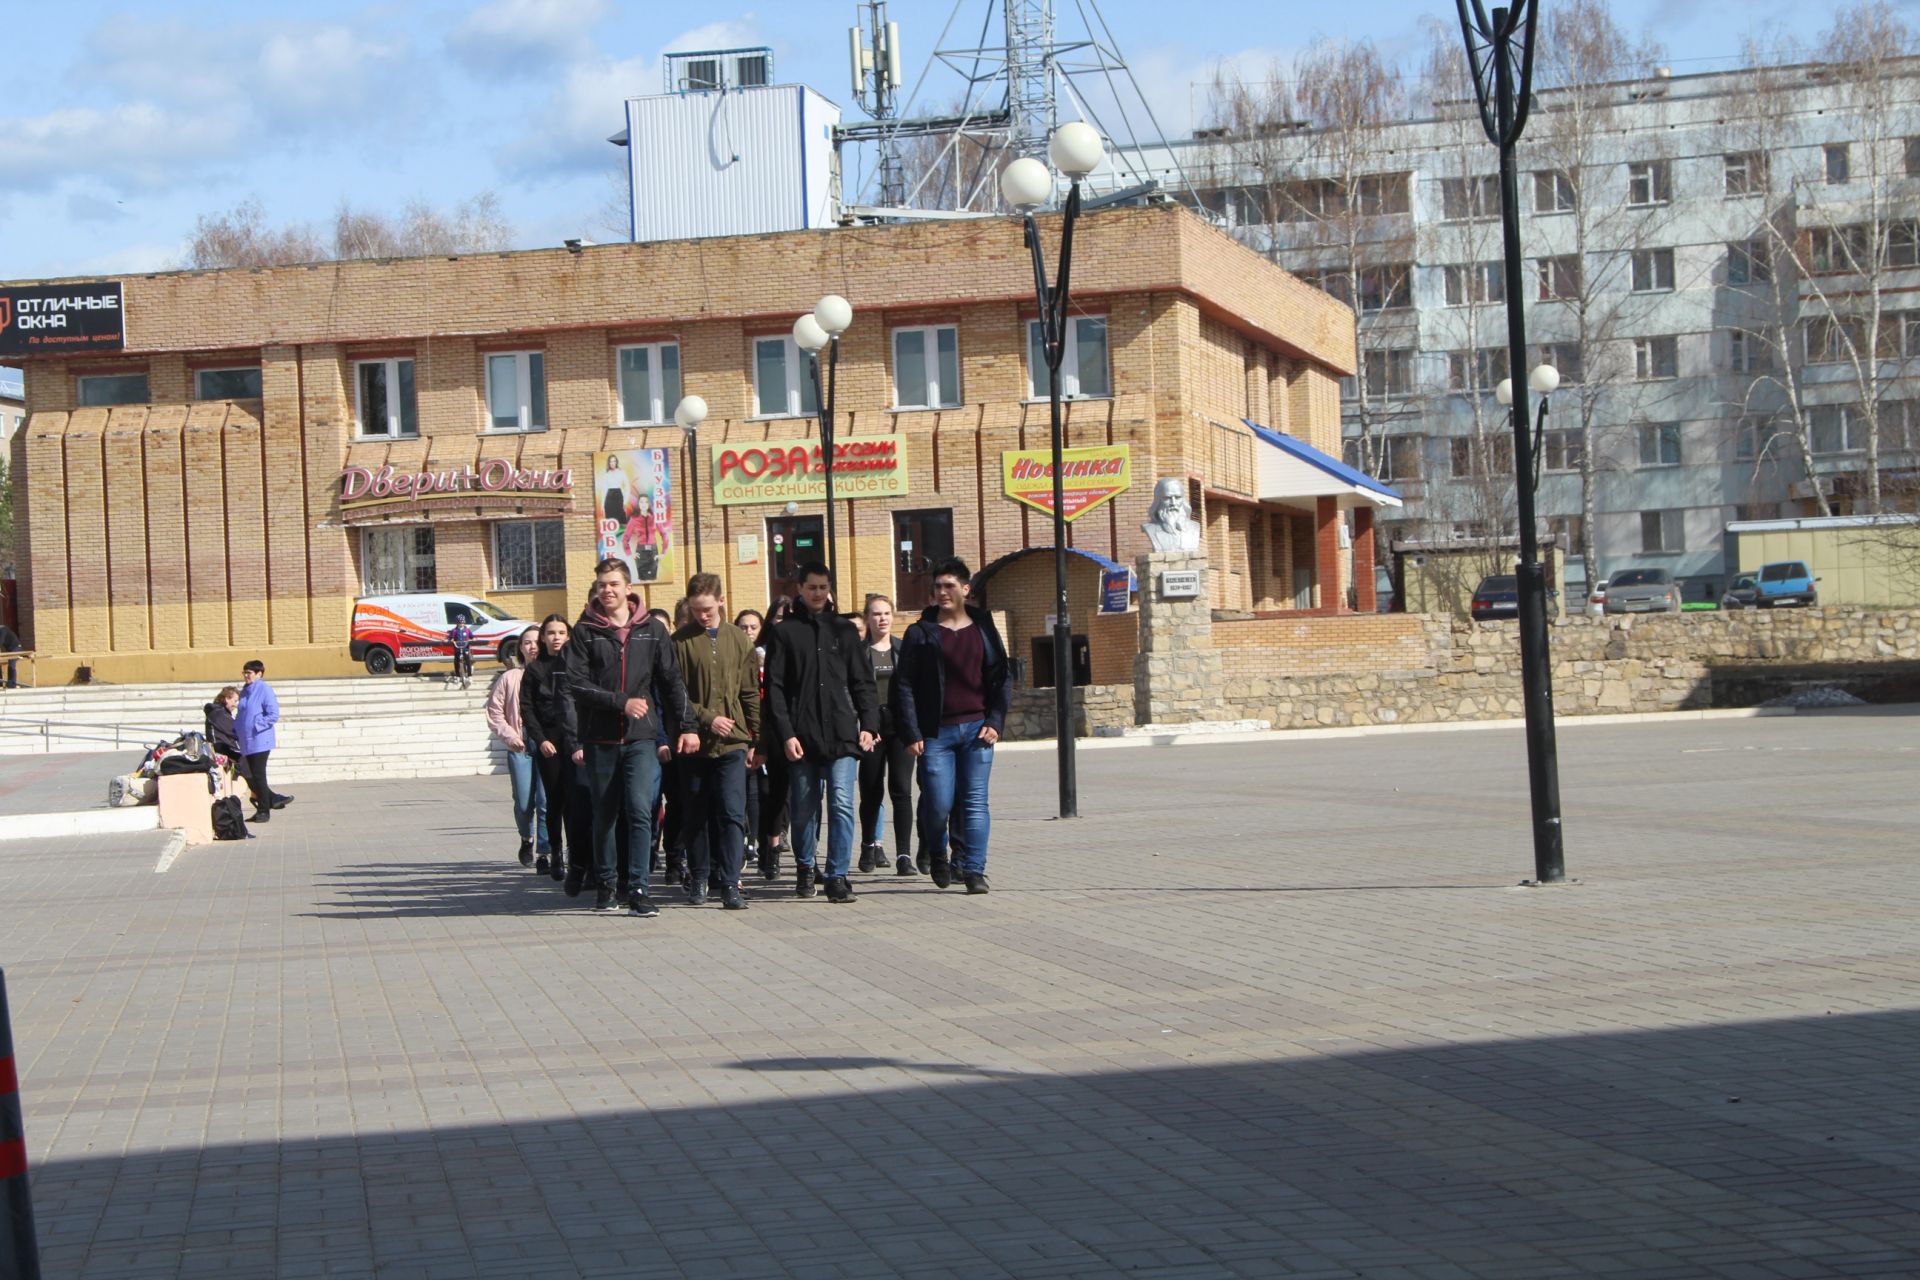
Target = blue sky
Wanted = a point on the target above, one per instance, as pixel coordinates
(121, 123)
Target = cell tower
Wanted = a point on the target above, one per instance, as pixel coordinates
(875, 58)
(1030, 68)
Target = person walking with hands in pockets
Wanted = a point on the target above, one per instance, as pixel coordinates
(950, 701)
(723, 684)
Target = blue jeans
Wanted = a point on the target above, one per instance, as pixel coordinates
(804, 781)
(529, 798)
(624, 778)
(954, 770)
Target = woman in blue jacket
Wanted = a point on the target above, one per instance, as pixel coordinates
(253, 724)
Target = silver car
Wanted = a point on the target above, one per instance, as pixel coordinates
(1643, 591)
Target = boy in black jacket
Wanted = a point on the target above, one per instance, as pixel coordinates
(626, 688)
(821, 714)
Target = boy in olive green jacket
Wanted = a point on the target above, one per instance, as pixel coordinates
(723, 689)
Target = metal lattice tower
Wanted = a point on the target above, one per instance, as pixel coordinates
(1030, 72)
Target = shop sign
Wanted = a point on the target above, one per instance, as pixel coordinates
(633, 510)
(792, 471)
(1116, 590)
(59, 319)
(360, 486)
(1089, 477)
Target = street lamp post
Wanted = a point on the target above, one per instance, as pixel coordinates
(821, 328)
(1502, 68)
(1075, 150)
(689, 414)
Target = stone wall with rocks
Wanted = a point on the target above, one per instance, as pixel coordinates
(1095, 707)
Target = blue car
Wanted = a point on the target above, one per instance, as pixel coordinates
(1786, 582)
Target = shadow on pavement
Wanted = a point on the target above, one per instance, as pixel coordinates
(1780, 1148)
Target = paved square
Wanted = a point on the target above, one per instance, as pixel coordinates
(1264, 1010)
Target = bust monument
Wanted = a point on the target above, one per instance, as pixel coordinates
(1170, 525)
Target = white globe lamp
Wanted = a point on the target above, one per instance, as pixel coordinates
(1026, 184)
(1075, 149)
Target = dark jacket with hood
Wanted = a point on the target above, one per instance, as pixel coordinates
(546, 703)
(920, 681)
(607, 665)
(819, 685)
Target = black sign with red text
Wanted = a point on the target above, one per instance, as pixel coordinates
(59, 319)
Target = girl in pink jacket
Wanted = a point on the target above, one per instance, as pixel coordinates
(503, 717)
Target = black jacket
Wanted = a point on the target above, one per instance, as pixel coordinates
(885, 699)
(545, 703)
(602, 674)
(819, 686)
(221, 731)
(920, 681)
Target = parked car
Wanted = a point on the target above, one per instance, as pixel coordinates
(398, 633)
(1787, 582)
(1642, 591)
(1742, 593)
(1597, 600)
(1497, 596)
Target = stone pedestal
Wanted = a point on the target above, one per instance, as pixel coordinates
(1176, 674)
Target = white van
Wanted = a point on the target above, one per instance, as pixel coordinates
(398, 633)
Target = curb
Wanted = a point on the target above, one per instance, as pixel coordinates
(81, 822)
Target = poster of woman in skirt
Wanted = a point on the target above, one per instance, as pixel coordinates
(634, 489)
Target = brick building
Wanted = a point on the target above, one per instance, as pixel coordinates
(218, 488)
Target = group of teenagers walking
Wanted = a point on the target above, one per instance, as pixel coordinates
(639, 751)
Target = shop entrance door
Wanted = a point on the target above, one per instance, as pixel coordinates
(921, 539)
(791, 542)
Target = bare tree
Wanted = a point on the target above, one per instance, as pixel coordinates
(241, 237)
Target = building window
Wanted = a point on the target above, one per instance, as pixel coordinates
(1649, 182)
(517, 391)
(1402, 457)
(1562, 450)
(1465, 199)
(1660, 444)
(1653, 271)
(1565, 532)
(1837, 428)
(782, 380)
(1553, 192)
(1656, 358)
(529, 553)
(1838, 250)
(649, 382)
(111, 388)
(1479, 370)
(1903, 244)
(1565, 358)
(1748, 262)
(1746, 173)
(383, 398)
(1473, 282)
(240, 383)
(1663, 531)
(1839, 164)
(1559, 278)
(1751, 437)
(1833, 338)
(1468, 457)
(1748, 352)
(926, 367)
(397, 560)
(1083, 365)
(1911, 152)
(1386, 288)
(1375, 194)
(1388, 371)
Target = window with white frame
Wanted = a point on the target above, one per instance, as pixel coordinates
(1473, 282)
(1749, 262)
(242, 382)
(1402, 457)
(1388, 372)
(111, 388)
(1565, 359)
(1084, 373)
(1838, 162)
(384, 403)
(1745, 173)
(396, 560)
(1465, 199)
(517, 391)
(1478, 370)
(1663, 531)
(649, 381)
(1649, 182)
(1660, 444)
(1751, 438)
(1553, 192)
(926, 367)
(1748, 352)
(782, 380)
(529, 553)
(1558, 278)
(1653, 271)
(1837, 428)
(1656, 358)
(1562, 450)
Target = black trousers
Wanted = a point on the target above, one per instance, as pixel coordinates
(773, 801)
(255, 771)
(569, 808)
(715, 802)
(889, 759)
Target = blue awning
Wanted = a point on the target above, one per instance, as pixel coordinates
(1293, 470)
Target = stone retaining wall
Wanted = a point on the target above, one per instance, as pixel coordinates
(1100, 706)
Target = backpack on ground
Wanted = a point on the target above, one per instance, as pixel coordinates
(229, 821)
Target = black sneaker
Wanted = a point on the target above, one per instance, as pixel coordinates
(903, 866)
(976, 882)
(641, 905)
(866, 857)
(696, 895)
(281, 801)
(557, 868)
(942, 873)
(769, 864)
(603, 899)
(526, 853)
(922, 861)
(576, 881)
(803, 881)
(543, 864)
(732, 899)
(622, 894)
(259, 815)
(839, 889)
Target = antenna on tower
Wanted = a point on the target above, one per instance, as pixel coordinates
(875, 57)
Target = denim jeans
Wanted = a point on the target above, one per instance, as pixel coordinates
(624, 778)
(805, 778)
(529, 799)
(716, 819)
(954, 770)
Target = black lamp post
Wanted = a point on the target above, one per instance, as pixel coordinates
(822, 327)
(689, 414)
(1075, 150)
(1500, 53)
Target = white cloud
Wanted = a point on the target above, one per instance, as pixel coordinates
(526, 37)
(313, 77)
(138, 144)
